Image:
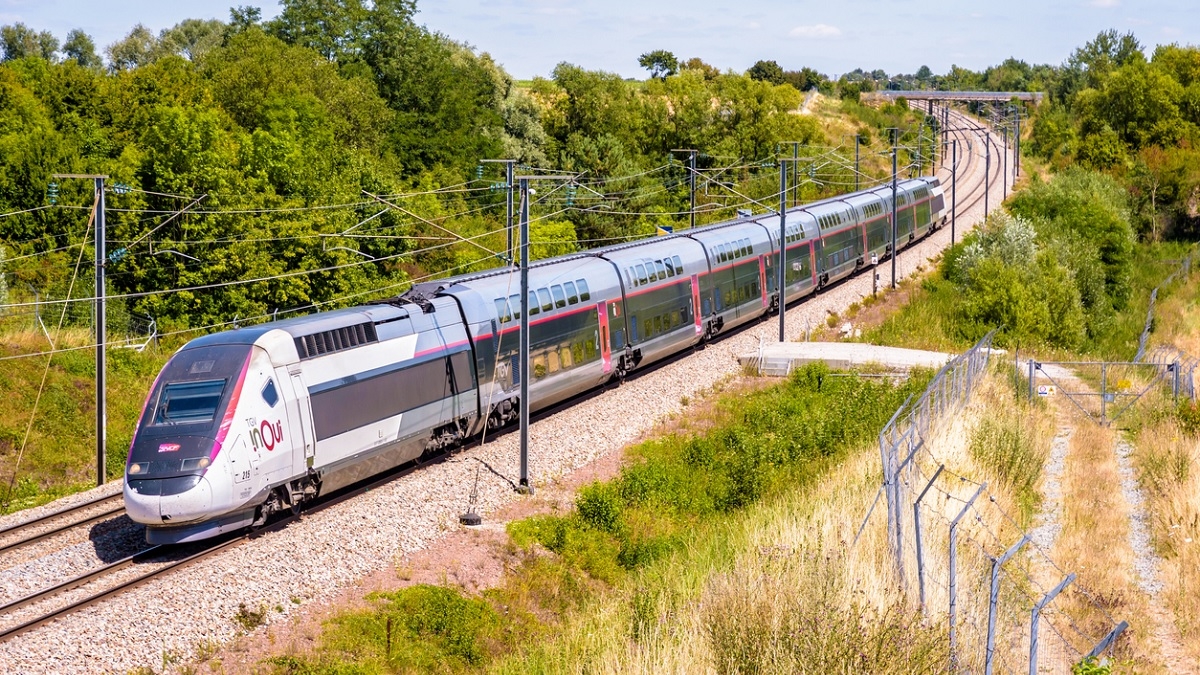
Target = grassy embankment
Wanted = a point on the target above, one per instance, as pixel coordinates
(1166, 436)
(60, 455)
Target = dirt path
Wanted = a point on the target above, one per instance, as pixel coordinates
(1101, 532)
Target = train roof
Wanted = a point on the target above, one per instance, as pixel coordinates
(304, 325)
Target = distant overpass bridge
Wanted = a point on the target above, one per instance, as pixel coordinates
(1034, 97)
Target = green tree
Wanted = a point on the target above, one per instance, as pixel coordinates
(80, 48)
(766, 71)
(19, 41)
(660, 62)
(138, 48)
(191, 38)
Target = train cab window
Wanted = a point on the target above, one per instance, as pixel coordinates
(547, 302)
(584, 295)
(662, 271)
(560, 298)
(533, 303)
(514, 304)
(678, 265)
(572, 298)
(502, 312)
(189, 402)
(270, 394)
(641, 274)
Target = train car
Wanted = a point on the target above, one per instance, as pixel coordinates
(662, 291)
(248, 422)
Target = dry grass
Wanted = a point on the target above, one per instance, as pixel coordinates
(783, 590)
(1094, 543)
(1166, 460)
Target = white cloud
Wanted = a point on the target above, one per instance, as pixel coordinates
(816, 31)
(1106, 4)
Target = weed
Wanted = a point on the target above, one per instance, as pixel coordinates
(249, 619)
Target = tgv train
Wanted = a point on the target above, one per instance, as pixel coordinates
(247, 422)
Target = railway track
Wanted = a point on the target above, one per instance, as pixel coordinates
(44, 527)
(16, 619)
(164, 560)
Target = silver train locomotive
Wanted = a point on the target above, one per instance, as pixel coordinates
(243, 423)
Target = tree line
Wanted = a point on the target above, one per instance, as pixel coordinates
(335, 152)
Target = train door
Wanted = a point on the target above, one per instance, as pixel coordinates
(299, 419)
(762, 280)
(605, 347)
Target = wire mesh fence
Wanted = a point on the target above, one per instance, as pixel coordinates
(964, 560)
(43, 313)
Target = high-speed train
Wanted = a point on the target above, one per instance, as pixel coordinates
(243, 423)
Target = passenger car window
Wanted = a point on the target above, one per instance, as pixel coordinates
(502, 310)
(662, 272)
(571, 297)
(560, 298)
(533, 303)
(547, 303)
(514, 304)
(669, 266)
(678, 265)
(584, 295)
(641, 272)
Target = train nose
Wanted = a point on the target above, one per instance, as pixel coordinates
(162, 501)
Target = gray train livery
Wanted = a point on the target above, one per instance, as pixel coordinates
(248, 422)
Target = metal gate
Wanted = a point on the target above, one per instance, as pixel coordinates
(1114, 385)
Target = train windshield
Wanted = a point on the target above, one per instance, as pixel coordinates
(189, 402)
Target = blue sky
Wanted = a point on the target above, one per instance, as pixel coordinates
(530, 36)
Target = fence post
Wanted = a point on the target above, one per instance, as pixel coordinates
(1103, 393)
(1175, 386)
(917, 531)
(994, 600)
(1107, 641)
(1031, 379)
(1033, 623)
(899, 518)
(954, 574)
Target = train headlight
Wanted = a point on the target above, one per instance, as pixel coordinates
(138, 468)
(196, 463)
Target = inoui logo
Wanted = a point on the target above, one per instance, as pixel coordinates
(266, 434)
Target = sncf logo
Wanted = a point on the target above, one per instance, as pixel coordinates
(266, 434)
(168, 447)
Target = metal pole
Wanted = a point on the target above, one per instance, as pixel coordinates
(894, 251)
(917, 535)
(954, 574)
(1033, 623)
(987, 168)
(508, 201)
(994, 600)
(1004, 180)
(795, 173)
(856, 144)
(101, 337)
(1031, 367)
(523, 486)
(1103, 392)
(953, 189)
(782, 246)
(1017, 143)
(692, 186)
